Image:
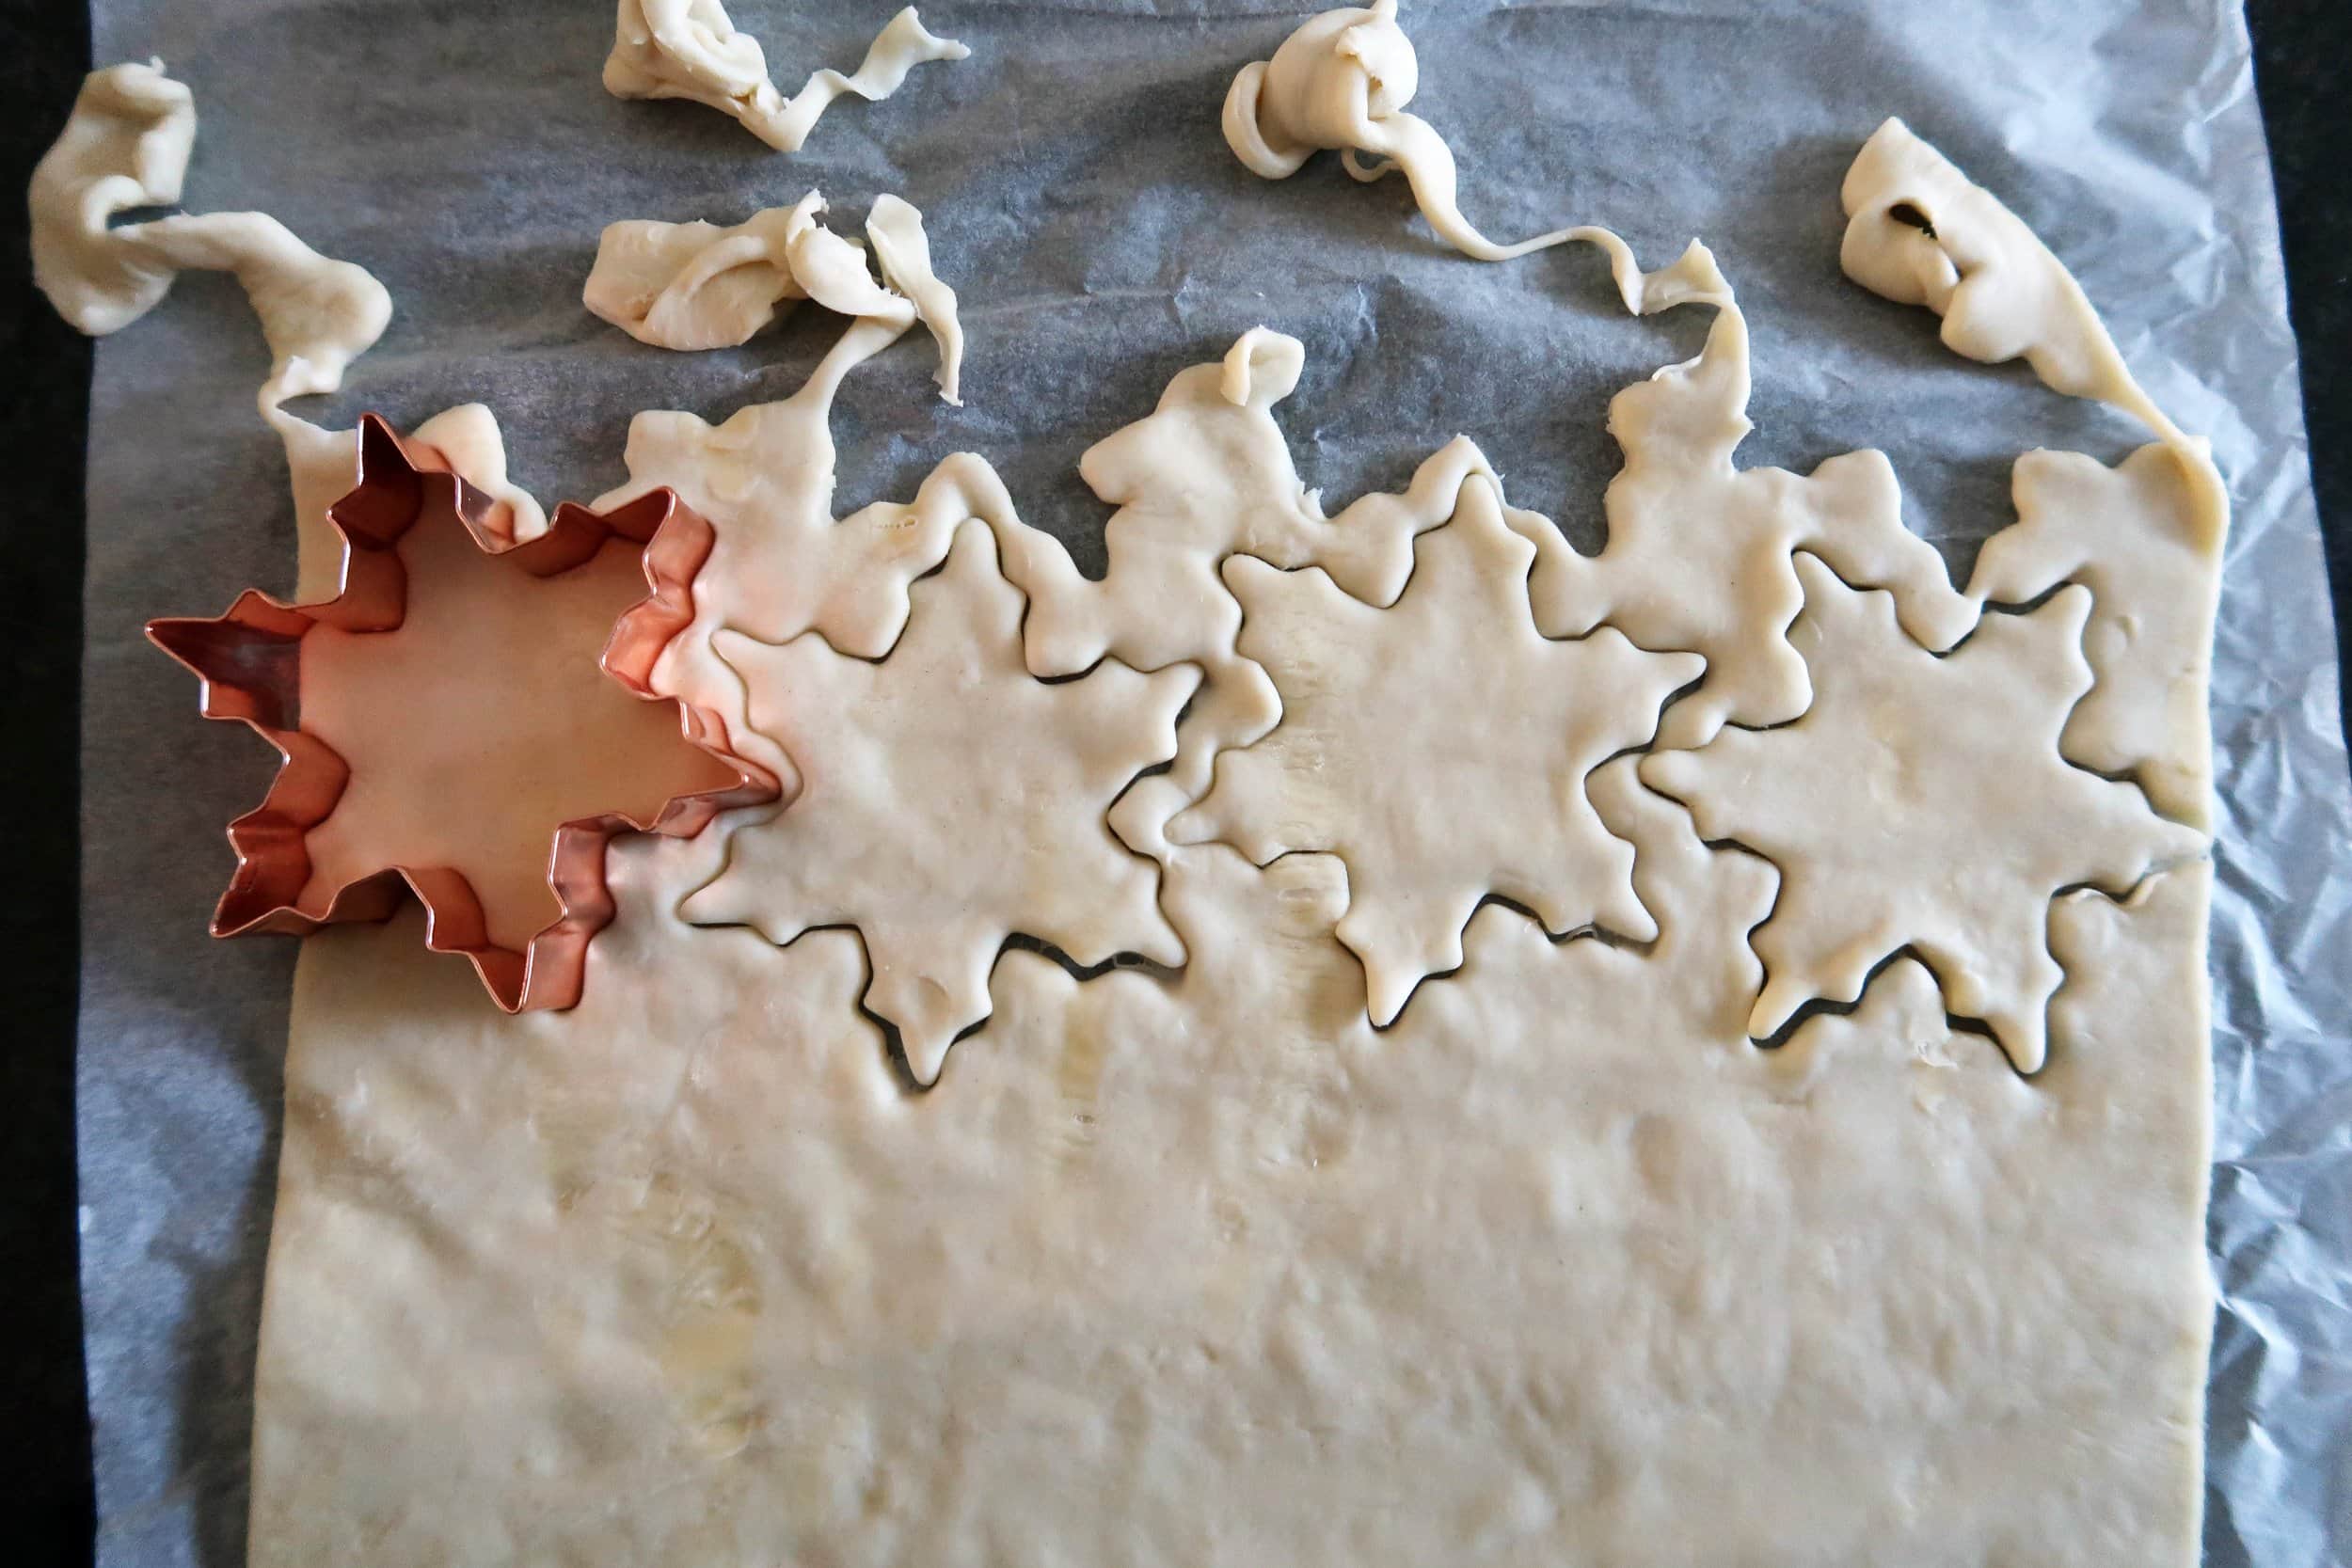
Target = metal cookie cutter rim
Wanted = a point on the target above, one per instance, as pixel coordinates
(248, 666)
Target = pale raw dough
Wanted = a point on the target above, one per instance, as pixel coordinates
(324, 465)
(1339, 84)
(1388, 753)
(696, 286)
(2138, 537)
(690, 49)
(1192, 1265)
(781, 566)
(1921, 803)
(127, 144)
(1209, 476)
(1208, 473)
(948, 800)
(2146, 537)
(1204, 1272)
(1918, 232)
(1700, 551)
(902, 250)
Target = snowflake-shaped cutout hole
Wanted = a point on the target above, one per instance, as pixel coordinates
(1922, 803)
(1439, 748)
(950, 801)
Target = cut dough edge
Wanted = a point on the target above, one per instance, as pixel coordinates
(1262, 367)
(1787, 999)
(1919, 233)
(792, 445)
(1614, 913)
(1086, 941)
(95, 171)
(2146, 536)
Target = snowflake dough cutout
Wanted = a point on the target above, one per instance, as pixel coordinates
(1923, 803)
(949, 801)
(1439, 748)
(1699, 549)
(1206, 475)
(2135, 536)
(2144, 537)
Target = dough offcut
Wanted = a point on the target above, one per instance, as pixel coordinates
(1197, 1266)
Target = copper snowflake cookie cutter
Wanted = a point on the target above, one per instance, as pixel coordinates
(248, 662)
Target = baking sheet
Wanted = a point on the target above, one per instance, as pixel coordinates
(1080, 197)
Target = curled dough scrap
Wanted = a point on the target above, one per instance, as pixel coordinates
(1919, 232)
(126, 145)
(2145, 537)
(1339, 84)
(690, 49)
(691, 286)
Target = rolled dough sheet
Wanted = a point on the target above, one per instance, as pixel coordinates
(2165, 206)
(1205, 1271)
(1195, 1266)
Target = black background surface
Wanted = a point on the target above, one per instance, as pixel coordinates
(2300, 48)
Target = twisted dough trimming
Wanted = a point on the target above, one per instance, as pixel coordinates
(2146, 536)
(690, 49)
(690, 286)
(127, 145)
(1919, 232)
(1339, 84)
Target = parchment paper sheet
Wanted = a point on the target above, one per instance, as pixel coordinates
(1080, 197)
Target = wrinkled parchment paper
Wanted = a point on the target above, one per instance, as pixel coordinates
(1080, 197)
